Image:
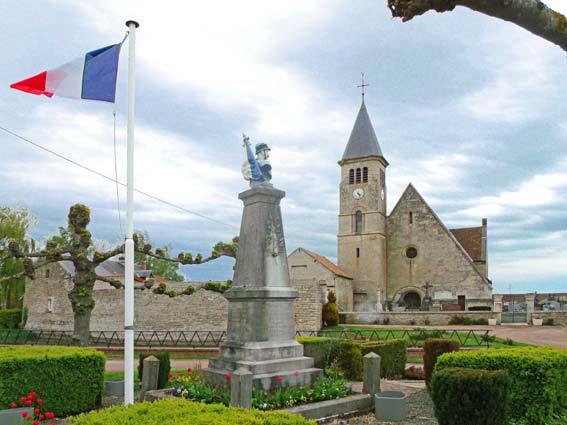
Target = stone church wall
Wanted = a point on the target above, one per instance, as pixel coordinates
(419, 318)
(309, 304)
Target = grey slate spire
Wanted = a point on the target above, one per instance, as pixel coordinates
(362, 141)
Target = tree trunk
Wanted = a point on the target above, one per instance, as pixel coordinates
(81, 327)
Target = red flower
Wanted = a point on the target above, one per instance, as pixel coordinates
(37, 411)
(296, 373)
(29, 402)
(35, 422)
(39, 401)
(170, 376)
(279, 378)
(189, 370)
(24, 414)
(227, 376)
(32, 395)
(49, 415)
(14, 405)
(23, 399)
(41, 417)
(28, 418)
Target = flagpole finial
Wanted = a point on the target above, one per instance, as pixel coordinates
(131, 22)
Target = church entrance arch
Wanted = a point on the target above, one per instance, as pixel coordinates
(412, 300)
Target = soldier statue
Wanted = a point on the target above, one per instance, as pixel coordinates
(256, 170)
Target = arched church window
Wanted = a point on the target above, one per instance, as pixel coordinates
(365, 175)
(351, 176)
(358, 175)
(410, 217)
(358, 222)
(382, 178)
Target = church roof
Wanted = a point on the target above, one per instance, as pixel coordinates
(325, 262)
(470, 239)
(362, 141)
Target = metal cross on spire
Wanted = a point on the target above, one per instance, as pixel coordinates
(362, 86)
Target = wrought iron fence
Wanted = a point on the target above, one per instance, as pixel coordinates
(212, 339)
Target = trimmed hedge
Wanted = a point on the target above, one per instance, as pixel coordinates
(470, 396)
(394, 356)
(349, 359)
(11, 318)
(179, 411)
(322, 349)
(164, 367)
(537, 375)
(432, 349)
(69, 380)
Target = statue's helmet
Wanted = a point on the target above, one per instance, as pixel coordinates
(260, 147)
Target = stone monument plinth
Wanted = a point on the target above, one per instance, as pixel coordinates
(261, 325)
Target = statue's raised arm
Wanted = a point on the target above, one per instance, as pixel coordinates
(256, 170)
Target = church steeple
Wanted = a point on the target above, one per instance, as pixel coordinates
(363, 141)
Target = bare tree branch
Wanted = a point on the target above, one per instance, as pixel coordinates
(532, 15)
(112, 282)
(102, 257)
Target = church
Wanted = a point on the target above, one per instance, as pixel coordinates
(407, 260)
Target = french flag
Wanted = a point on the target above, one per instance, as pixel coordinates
(90, 77)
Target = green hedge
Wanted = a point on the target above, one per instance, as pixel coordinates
(322, 349)
(69, 380)
(11, 318)
(164, 367)
(538, 378)
(394, 356)
(432, 349)
(349, 359)
(470, 396)
(179, 411)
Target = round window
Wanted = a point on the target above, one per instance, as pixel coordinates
(411, 252)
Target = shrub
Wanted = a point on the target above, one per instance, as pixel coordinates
(172, 293)
(386, 321)
(548, 322)
(160, 289)
(393, 353)
(11, 318)
(70, 380)
(470, 396)
(480, 321)
(220, 287)
(331, 311)
(189, 290)
(433, 348)
(323, 350)
(509, 341)
(349, 359)
(537, 374)
(164, 367)
(177, 411)
(460, 320)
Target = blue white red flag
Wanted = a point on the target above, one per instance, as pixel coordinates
(92, 76)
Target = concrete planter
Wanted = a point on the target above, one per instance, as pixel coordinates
(537, 322)
(492, 322)
(391, 406)
(114, 388)
(14, 416)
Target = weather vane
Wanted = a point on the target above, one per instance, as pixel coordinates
(362, 85)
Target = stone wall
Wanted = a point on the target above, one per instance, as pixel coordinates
(559, 317)
(421, 318)
(309, 304)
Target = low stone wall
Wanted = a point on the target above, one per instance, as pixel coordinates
(559, 317)
(420, 318)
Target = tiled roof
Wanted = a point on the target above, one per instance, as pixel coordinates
(325, 262)
(470, 239)
(363, 141)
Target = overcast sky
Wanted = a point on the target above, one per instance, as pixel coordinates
(468, 108)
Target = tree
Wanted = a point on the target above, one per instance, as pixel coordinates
(532, 15)
(164, 268)
(76, 249)
(15, 223)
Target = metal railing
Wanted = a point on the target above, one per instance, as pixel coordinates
(213, 339)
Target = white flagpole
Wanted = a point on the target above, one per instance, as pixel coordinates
(129, 243)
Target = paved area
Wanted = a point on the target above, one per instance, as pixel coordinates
(552, 336)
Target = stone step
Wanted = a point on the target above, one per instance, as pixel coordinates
(272, 381)
(273, 366)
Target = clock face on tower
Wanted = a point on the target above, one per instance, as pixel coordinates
(358, 193)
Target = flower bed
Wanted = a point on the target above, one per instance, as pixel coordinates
(192, 387)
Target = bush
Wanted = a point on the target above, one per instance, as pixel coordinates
(11, 318)
(189, 290)
(164, 367)
(537, 374)
(470, 396)
(432, 349)
(393, 353)
(177, 411)
(331, 311)
(323, 350)
(220, 287)
(161, 289)
(463, 320)
(548, 322)
(349, 359)
(70, 380)
(480, 321)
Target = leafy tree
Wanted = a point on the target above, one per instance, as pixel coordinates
(164, 268)
(532, 15)
(14, 225)
(76, 250)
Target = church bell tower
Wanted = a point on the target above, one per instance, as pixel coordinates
(362, 215)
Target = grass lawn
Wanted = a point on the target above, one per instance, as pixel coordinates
(417, 336)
